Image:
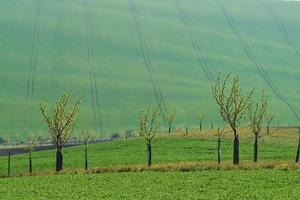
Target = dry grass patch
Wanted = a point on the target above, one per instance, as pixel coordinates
(176, 166)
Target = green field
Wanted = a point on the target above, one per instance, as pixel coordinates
(251, 184)
(171, 149)
(185, 167)
(125, 54)
(47, 47)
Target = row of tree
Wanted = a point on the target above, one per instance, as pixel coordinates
(234, 106)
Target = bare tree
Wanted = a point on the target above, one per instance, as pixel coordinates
(8, 143)
(93, 136)
(201, 118)
(148, 126)
(17, 139)
(86, 136)
(31, 145)
(186, 130)
(298, 149)
(61, 124)
(232, 107)
(257, 114)
(170, 119)
(220, 133)
(7, 140)
(8, 163)
(269, 118)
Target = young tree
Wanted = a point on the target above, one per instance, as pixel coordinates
(186, 130)
(31, 145)
(39, 140)
(2, 141)
(86, 136)
(8, 163)
(220, 133)
(298, 148)
(61, 124)
(148, 126)
(8, 143)
(7, 140)
(256, 114)
(17, 139)
(201, 119)
(93, 136)
(269, 118)
(232, 107)
(170, 119)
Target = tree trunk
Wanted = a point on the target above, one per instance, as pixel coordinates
(268, 129)
(170, 128)
(59, 159)
(298, 150)
(186, 130)
(149, 153)
(8, 164)
(85, 158)
(30, 163)
(200, 126)
(236, 148)
(212, 125)
(255, 148)
(219, 149)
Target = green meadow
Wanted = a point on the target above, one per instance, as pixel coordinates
(120, 56)
(184, 167)
(47, 47)
(278, 147)
(244, 184)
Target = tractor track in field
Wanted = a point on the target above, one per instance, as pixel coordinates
(33, 63)
(260, 68)
(92, 73)
(194, 41)
(282, 29)
(155, 85)
(284, 32)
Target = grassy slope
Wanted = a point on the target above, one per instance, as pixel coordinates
(255, 184)
(122, 78)
(165, 149)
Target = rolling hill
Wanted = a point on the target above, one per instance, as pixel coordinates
(124, 54)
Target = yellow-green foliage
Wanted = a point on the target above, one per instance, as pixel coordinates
(64, 118)
(148, 122)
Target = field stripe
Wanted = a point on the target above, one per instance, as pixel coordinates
(282, 29)
(33, 63)
(155, 85)
(284, 33)
(260, 68)
(194, 41)
(92, 73)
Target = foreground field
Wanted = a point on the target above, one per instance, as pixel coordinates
(184, 168)
(279, 146)
(243, 184)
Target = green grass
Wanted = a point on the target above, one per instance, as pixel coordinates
(122, 78)
(165, 150)
(243, 184)
(184, 167)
